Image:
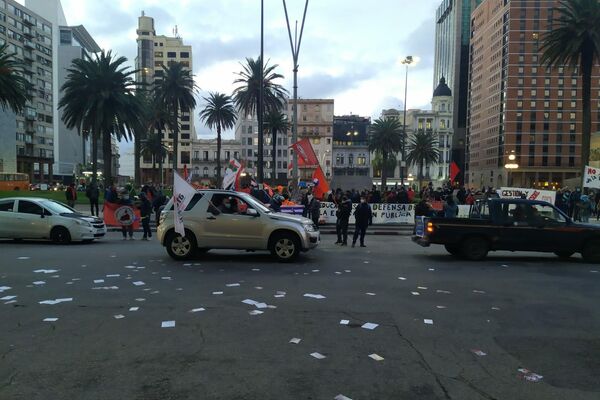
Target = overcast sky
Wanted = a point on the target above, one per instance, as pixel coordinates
(350, 49)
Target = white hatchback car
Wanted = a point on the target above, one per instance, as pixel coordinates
(37, 218)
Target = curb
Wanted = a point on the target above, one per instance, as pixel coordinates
(401, 232)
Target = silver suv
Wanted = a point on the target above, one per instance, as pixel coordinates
(219, 219)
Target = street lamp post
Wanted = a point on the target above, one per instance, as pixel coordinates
(511, 166)
(407, 61)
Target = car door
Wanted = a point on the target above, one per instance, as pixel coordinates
(231, 227)
(8, 219)
(552, 230)
(32, 221)
(515, 232)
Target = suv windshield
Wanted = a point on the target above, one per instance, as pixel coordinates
(256, 204)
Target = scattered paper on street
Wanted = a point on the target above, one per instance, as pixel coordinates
(138, 283)
(402, 278)
(478, 352)
(119, 316)
(529, 375)
(376, 357)
(38, 283)
(22, 258)
(45, 271)
(250, 302)
(4, 288)
(167, 324)
(479, 291)
(255, 312)
(318, 356)
(344, 322)
(52, 302)
(113, 275)
(217, 293)
(50, 320)
(369, 325)
(443, 291)
(415, 293)
(370, 294)
(98, 280)
(232, 284)
(428, 321)
(102, 287)
(341, 397)
(440, 307)
(421, 288)
(133, 308)
(5, 298)
(314, 296)
(295, 340)
(194, 310)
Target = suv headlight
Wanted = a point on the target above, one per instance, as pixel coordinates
(309, 228)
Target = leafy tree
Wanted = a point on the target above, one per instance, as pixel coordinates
(219, 113)
(13, 86)
(153, 147)
(574, 41)
(385, 140)
(275, 122)
(422, 151)
(98, 97)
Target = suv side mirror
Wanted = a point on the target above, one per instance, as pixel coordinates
(252, 212)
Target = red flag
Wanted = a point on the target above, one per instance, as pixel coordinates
(454, 171)
(268, 189)
(321, 186)
(119, 215)
(305, 153)
(185, 172)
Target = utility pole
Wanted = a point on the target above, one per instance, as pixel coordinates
(407, 61)
(295, 45)
(261, 107)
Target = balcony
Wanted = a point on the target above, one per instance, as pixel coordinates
(27, 21)
(29, 45)
(30, 115)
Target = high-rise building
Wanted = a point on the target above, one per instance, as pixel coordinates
(315, 122)
(154, 52)
(351, 159)
(452, 37)
(29, 37)
(517, 106)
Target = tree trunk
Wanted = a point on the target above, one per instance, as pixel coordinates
(384, 159)
(587, 63)
(218, 156)
(107, 156)
(421, 173)
(260, 160)
(274, 138)
(160, 170)
(95, 157)
(175, 135)
(137, 150)
(153, 168)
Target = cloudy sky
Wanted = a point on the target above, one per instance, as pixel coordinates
(350, 49)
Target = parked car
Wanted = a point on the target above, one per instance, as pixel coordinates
(218, 219)
(514, 225)
(36, 218)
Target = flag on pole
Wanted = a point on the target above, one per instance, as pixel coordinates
(454, 171)
(182, 194)
(306, 154)
(232, 175)
(186, 175)
(321, 186)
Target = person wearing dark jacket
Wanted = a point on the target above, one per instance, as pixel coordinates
(146, 212)
(71, 195)
(363, 218)
(92, 193)
(343, 216)
(159, 200)
(124, 200)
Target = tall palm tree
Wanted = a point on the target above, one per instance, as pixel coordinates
(275, 121)
(160, 120)
(13, 86)
(247, 96)
(219, 113)
(153, 147)
(575, 42)
(422, 151)
(385, 140)
(140, 131)
(175, 90)
(98, 97)
(390, 164)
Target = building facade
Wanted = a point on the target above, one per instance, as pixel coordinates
(519, 106)
(246, 133)
(315, 122)
(204, 158)
(351, 159)
(452, 39)
(154, 52)
(29, 37)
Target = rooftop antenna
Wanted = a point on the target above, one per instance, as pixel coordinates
(176, 32)
(143, 13)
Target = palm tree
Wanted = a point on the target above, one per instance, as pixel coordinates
(422, 151)
(219, 114)
(385, 140)
(160, 120)
(13, 86)
(153, 147)
(175, 91)
(247, 96)
(275, 121)
(98, 97)
(575, 42)
(140, 132)
(378, 165)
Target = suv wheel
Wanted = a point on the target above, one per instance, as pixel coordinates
(285, 247)
(60, 235)
(180, 247)
(591, 252)
(475, 248)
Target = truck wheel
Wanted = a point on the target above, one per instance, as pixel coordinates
(285, 246)
(564, 254)
(180, 247)
(474, 248)
(591, 252)
(452, 249)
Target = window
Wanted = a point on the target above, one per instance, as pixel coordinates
(227, 204)
(7, 206)
(158, 54)
(28, 207)
(184, 54)
(171, 54)
(185, 157)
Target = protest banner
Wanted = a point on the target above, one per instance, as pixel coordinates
(591, 179)
(118, 215)
(383, 213)
(529, 194)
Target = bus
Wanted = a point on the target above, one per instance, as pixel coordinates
(14, 181)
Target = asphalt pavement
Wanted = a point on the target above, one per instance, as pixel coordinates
(516, 326)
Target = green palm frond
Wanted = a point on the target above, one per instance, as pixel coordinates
(13, 86)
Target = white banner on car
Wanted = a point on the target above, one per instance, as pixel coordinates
(182, 194)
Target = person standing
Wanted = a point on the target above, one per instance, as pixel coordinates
(314, 210)
(92, 193)
(343, 217)
(124, 200)
(71, 195)
(159, 200)
(450, 207)
(146, 212)
(363, 216)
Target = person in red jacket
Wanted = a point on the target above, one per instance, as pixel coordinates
(71, 195)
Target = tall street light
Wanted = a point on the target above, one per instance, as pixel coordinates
(407, 61)
(261, 106)
(511, 166)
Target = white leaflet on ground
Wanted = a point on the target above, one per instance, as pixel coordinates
(10, 302)
(113, 275)
(402, 278)
(314, 296)
(295, 340)
(166, 278)
(187, 265)
(46, 271)
(255, 269)
(22, 258)
(440, 307)
(271, 306)
(98, 280)
(50, 320)
(279, 295)
(69, 283)
(338, 273)
(130, 267)
(431, 269)
(341, 397)
(52, 302)
(167, 324)
(217, 293)
(530, 376)
(318, 356)
(365, 262)
(138, 283)
(369, 325)
(38, 283)
(315, 270)
(496, 308)
(347, 270)
(193, 310)
(133, 308)
(140, 299)
(55, 276)
(255, 312)
(376, 357)
(232, 285)
(428, 321)
(479, 291)
(119, 316)
(443, 291)
(344, 322)
(76, 279)
(4, 288)
(421, 287)
(155, 292)
(105, 288)
(6, 298)
(258, 287)
(261, 305)
(250, 302)
(478, 352)
(415, 293)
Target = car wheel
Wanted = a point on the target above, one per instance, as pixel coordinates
(286, 247)
(181, 247)
(591, 252)
(564, 254)
(475, 248)
(452, 249)
(60, 235)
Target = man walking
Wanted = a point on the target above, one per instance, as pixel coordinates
(71, 195)
(343, 217)
(146, 212)
(92, 193)
(364, 217)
